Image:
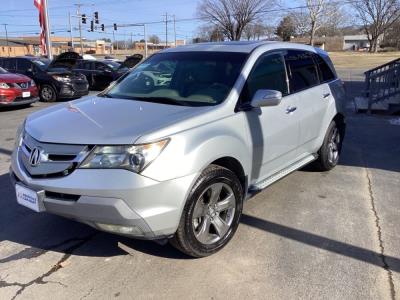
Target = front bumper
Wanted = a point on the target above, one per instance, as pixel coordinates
(111, 197)
(20, 102)
(73, 90)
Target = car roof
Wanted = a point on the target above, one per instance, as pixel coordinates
(242, 46)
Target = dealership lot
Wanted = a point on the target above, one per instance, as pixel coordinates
(311, 235)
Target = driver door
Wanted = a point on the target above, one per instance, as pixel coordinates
(274, 130)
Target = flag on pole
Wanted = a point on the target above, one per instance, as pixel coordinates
(42, 21)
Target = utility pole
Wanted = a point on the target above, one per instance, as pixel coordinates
(47, 33)
(175, 30)
(79, 17)
(112, 48)
(8, 48)
(70, 30)
(166, 30)
(145, 40)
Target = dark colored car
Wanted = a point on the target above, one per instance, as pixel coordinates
(55, 79)
(16, 89)
(100, 73)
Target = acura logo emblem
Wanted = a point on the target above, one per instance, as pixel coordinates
(34, 159)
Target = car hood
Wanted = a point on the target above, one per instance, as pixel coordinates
(98, 120)
(65, 60)
(11, 78)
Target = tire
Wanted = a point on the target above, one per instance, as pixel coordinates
(199, 236)
(47, 93)
(329, 153)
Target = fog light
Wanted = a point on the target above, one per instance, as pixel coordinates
(129, 230)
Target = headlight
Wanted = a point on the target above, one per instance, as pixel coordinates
(134, 158)
(33, 83)
(61, 78)
(4, 85)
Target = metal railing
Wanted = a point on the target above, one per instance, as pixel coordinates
(382, 82)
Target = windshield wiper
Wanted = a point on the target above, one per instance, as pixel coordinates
(163, 100)
(105, 95)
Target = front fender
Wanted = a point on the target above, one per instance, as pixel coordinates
(193, 150)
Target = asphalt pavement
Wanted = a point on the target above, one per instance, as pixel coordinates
(311, 235)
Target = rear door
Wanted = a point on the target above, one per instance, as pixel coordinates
(274, 131)
(85, 67)
(103, 75)
(304, 83)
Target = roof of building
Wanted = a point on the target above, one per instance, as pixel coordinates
(238, 46)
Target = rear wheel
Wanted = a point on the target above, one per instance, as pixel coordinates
(47, 93)
(211, 214)
(330, 150)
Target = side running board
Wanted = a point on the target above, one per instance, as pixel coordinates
(278, 175)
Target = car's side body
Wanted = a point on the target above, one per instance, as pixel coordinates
(259, 144)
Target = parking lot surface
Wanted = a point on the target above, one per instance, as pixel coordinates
(311, 235)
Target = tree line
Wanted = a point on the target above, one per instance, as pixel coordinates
(251, 20)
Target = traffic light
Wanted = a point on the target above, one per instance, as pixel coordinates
(96, 17)
(91, 26)
(84, 19)
(115, 26)
(102, 27)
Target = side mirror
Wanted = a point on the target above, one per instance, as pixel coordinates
(266, 98)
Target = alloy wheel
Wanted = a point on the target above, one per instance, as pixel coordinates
(213, 213)
(333, 146)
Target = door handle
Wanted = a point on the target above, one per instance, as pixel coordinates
(290, 109)
(326, 95)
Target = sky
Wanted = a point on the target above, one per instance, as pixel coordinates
(21, 17)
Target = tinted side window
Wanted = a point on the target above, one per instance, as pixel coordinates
(325, 72)
(101, 67)
(9, 64)
(269, 74)
(23, 65)
(84, 65)
(302, 70)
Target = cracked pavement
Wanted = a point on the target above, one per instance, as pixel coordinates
(311, 235)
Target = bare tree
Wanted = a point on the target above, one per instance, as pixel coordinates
(377, 16)
(154, 39)
(302, 22)
(210, 33)
(254, 31)
(232, 16)
(315, 9)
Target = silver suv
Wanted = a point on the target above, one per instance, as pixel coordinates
(173, 148)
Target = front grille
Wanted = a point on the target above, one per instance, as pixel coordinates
(80, 86)
(53, 160)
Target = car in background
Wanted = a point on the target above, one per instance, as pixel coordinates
(16, 89)
(54, 78)
(100, 73)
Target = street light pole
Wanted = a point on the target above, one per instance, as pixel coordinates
(79, 17)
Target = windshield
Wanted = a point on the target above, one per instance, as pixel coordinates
(2, 71)
(42, 63)
(182, 78)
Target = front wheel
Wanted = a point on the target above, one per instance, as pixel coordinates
(211, 214)
(47, 93)
(330, 150)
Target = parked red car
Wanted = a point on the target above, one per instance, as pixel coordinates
(16, 89)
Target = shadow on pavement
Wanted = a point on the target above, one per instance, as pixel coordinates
(321, 242)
